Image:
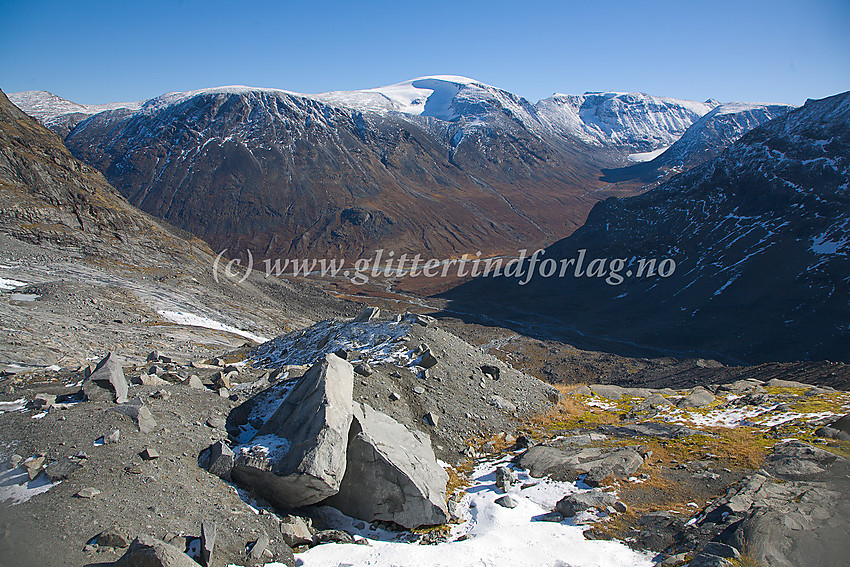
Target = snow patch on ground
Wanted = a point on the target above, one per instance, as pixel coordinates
(192, 320)
(9, 284)
(490, 535)
(16, 486)
(16, 405)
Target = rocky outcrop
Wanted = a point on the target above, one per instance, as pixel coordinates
(298, 457)
(392, 474)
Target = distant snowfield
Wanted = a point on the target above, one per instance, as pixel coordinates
(183, 318)
(647, 156)
(492, 535)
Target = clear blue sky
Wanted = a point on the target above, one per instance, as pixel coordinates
(94, 51)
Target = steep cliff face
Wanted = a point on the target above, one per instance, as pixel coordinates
(760, 240)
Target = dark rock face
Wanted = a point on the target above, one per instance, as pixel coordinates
(759, 230)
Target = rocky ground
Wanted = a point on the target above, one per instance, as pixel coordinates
(737, 470)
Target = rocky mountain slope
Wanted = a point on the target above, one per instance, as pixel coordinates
(703, 141)
(440, 165)
(759, 241)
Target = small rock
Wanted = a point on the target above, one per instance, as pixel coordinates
(195, 382)
(551, 517)
(112, 437)
(505, 477)
(501, 403)
(111, 539)
(88, 492)
(109, 371)
(363, 369)
(221, 460)
(427, 359)
(62, 469)
(151, 552)
(149, 454)
(208, 532)
(620, 507)
(163, 395)
(224, 392)
(14, 461)
(295, 531)
(491, 371)
(394, 397)
(153, 356)
(217, 423)
(431, 419)
(367, 314)
(44, 401)
(506, 501)
(33, 466)
(259, 547)
(221, 380)
(572, 504)
(419, 390)
(333, 536)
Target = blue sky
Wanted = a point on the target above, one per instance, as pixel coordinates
(94, 51)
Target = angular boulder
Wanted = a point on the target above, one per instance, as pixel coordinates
(108, 374)
(298, 457)
(392, 474)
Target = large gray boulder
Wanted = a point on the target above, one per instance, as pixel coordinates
(392, 474)
(298, 457)
(108, 374)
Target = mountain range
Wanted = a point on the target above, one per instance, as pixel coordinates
(759, 237)
(438, 165)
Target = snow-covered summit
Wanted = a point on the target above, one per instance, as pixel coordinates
(437, 96)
